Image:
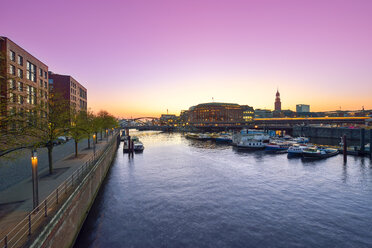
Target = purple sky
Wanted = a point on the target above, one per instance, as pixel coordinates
(144, 57)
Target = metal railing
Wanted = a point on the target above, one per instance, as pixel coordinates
(21, 233)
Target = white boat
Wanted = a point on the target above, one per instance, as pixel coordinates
(138, 146)
(277, 147)
(253, 141)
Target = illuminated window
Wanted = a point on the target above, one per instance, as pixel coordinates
(12, 55)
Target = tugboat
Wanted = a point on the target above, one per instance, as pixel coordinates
(296, 150)
(319, 153)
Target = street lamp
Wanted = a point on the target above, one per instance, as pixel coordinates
(107, 134)
(94, 144)
(35, 187)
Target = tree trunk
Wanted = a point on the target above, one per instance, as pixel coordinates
(96, 137)
(88, 142)
(50, 158)
(76, 149)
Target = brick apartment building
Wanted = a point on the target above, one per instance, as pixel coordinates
(70, 89)
(24, 81)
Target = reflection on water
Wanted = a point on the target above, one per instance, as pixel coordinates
(188, 193)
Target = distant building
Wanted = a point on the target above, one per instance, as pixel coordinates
(25, 83)
(278, 104)
(70, 89)
(248, 113)
(216, 113)
(184, 116)
(168, 119)
(263, 113)
(301, 108)
(288, 113)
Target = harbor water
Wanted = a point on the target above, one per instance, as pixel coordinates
(189, 193)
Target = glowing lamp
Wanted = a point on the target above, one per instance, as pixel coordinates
(34, 159)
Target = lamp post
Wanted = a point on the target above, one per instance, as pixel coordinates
(35, 186)
(107, 134)
(94, 144)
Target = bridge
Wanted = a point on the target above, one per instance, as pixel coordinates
(287, 124)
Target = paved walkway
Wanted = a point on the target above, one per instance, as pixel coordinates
(16, 201)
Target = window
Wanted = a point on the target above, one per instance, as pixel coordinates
(40, 72)
(12, 84)
(12, 97)
(20, 60)
(45, 74)
(20, 73)
(20, 86)
(20, 99)
(41, 93)
(12, 55)
(31, 71)
(12, 70)
(41, 83)
(45, 85)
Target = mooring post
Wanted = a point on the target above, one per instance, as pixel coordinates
(345, 148)
(132, 148)
(362, 141)
(129, 142)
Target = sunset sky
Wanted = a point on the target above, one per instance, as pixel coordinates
(140, 58)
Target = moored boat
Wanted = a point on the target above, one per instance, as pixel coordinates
(138, 146)
(277, 147)
(301, 140)
(296, 150)
(319, 153)
(224, 138)
(256, 141)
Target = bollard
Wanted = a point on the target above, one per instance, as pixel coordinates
(362, 141)
(345, 148)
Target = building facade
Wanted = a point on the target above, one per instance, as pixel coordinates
(215, 113)
(263, 113)
(248, 113)
(301, 108)
(24, 80)
(70, 89)
(277, 104)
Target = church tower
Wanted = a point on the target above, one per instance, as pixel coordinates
(278, 104)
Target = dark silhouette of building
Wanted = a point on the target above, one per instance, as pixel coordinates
(278, 104)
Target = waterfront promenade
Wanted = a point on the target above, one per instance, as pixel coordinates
(16, 200)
